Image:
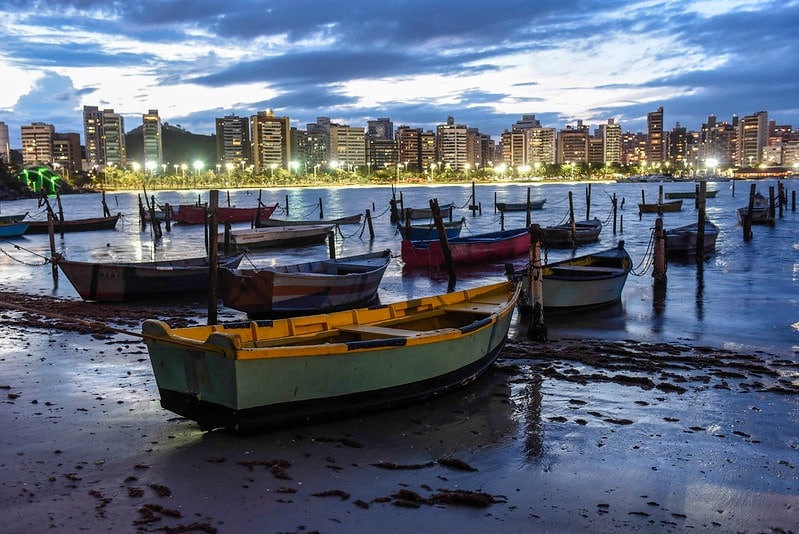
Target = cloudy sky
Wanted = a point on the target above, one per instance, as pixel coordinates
(486, 63)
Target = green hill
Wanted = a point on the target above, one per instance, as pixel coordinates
(180, 146)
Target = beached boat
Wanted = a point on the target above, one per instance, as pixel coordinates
(761, 212)
(426, 213)
(12, 229)
(348, 219)
(13, 218)
(74, 225)
(278, 236)
(194, 214)
(427, 232)
(689, 194)
(313, 287)
(269, 374)
(478, 248)
(153, 280)
(562, 236)
(584, 282)
(660, 207)
(681, 241)
(521, 206)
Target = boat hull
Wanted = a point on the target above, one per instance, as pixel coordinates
(521, 206)
(312, 287)
(429, 232)
(220, 377)
(74, 225)
(581, 283)
(480, 248)
(681, 242)
(278, 236)
(193, 214)
(560, 236)
(121, 282)
(350, 219)
(13, 229)
(663, 207)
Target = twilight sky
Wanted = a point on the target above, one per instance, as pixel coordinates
(486, 63)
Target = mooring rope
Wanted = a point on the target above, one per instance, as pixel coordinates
(45, 259)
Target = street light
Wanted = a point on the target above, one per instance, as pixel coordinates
(198, 166)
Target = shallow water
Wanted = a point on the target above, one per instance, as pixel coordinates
(744, 297)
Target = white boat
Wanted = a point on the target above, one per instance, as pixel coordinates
(278, 236)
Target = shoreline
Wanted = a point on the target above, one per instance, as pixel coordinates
(574, 434)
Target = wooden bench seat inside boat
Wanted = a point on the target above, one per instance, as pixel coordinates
(381, 331)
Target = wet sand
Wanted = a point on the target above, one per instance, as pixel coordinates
(573, 434)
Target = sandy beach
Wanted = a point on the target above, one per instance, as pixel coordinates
(573, 434)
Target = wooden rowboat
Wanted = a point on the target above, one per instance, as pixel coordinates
(12, 229)
(681, 241)
(426, 213)
(14, 218)
(194, 214)
(74, 225)
(584, 282)
(562, 236)
(348, 219)
(268, 374)
(689, 194)
(660, 207)
(426, 232)
(761, 212)
(303, 288)
(478, 248)
(278, 236)
(127, 281)
(521, 206)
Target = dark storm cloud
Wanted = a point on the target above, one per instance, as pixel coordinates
(305, 52)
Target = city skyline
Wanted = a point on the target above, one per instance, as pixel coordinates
(485, 64)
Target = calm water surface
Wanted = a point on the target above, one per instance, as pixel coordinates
(744, 297)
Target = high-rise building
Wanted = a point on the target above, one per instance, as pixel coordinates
(381, 149)
(152, 140)
(752, 138)
(409, 148)
(451, 144)
(271, 141)
(611, 142)
(93, 137)
(5, 147)
(233, 140)
(573, 144)
(66, 153)
(541, 146)
(113, 128)
(656, 146)
(347, 146)
(37, 143)
(381, 128)
(677, 146)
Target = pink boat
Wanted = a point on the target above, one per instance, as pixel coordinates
(194, 214)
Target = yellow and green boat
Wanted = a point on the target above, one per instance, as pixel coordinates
(269, 374)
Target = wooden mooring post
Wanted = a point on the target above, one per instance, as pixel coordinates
(700, 227)
(536, 330)
(213, 256)
(747, 222)
(659, 263)
(442, 237)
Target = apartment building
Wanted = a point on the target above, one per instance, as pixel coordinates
(152, 140)
(37, 143)
(5, 147)
(271, 141)
(233, 140)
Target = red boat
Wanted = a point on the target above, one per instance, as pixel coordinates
(467, 250)
(194, 214)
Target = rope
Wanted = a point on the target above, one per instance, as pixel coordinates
(648, 258)
(45, 259)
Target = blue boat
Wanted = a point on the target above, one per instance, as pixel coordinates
(13, 229)
(428, 232)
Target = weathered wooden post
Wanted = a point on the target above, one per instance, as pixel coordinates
(168, 217)
(588, 202)
(536, 330)
(473, 207)
(793, 200)
(331, 244)
(51, 236)
(287, 205)
(572, 221)
(321, 210)
(747, 222)
(659, 271)
(213, 256)
(495, 201)
(369, 224)
(442, 237)
(700, 227)
(614, 204)
(527, 210)
(772, 204)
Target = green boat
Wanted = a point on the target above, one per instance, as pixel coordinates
(270, 374)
